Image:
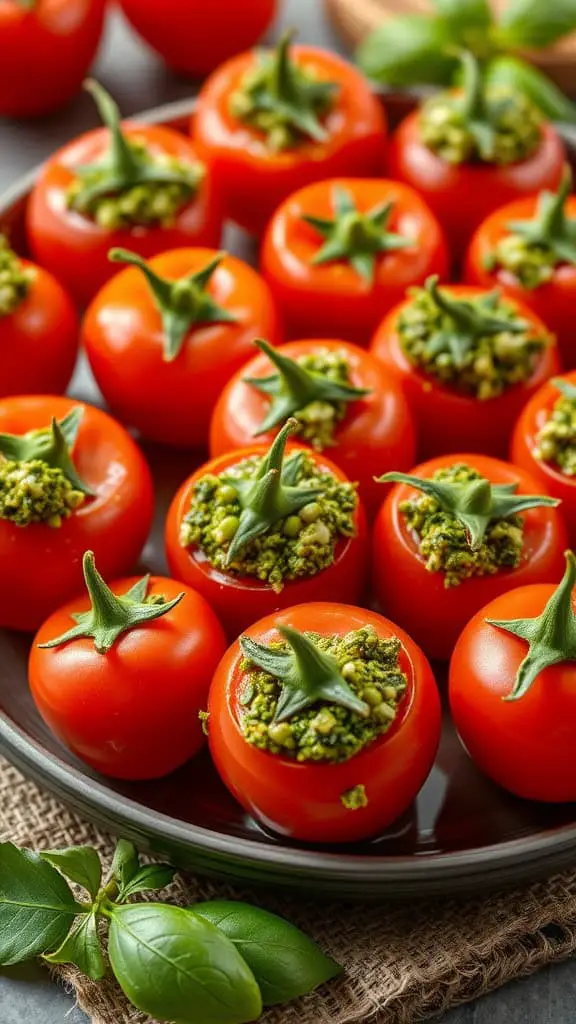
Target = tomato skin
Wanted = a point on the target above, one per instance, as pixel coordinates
(417, 599)
(462, 195)
(240, 601)
(252, 180)
(526, 745)
(46, 52)
(302, 800)
(376, 436)
(445, 417)
(39, 340)
(554, 301)
(194, 37)
(44, 565)
(131, 713)
(123, 338)
(75, 248)
(333, 299)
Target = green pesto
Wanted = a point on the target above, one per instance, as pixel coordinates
(355, 798)
(556, 439)
(33, 492)
(15, 280)
(297, 546)
(327, 731)
(444, 542)
(515, 125)
(317, 421)
(532, 265)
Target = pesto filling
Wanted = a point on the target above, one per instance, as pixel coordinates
(355, 798)
(514, 129)
(298, 546)
(556, 440)
(33, 492)
(318, 420)
(443, 540)
(532, 264)
(328, 732)
(15, 280)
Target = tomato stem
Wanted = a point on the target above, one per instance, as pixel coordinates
(51, 446)
(551, 228)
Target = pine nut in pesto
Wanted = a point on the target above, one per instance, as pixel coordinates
(15, 280)
(556, 439)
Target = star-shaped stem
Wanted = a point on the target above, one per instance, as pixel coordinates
(476, 503)
(181, 303)
(306, 673)
(475, 106)
(550, 227)
(294, 387)
(356, 237)
(111, 615)
(551, 636)
(272, 495)
(52, 445)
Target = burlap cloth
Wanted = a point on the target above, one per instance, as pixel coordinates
(404, 962)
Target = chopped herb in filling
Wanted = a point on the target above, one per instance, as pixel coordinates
(355, 798)
(15, 280)
(556, 440)
(317, 421)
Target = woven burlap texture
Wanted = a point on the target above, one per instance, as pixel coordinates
(403, 962)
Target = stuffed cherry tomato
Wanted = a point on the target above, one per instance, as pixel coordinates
(46, 48)
(469, 152)
(342, 400)
(455, 533)
(339, 254)
(267, 124)
(513, 689)
(39, 328)
(528, 249)
(70, 478)
(135, 186)
(256, 530)
(122, 675)
(467, 361)
(324, 722)
(164, 338)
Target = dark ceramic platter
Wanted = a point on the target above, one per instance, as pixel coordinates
(462, 833)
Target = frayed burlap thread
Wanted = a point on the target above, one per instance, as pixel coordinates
(403, 962)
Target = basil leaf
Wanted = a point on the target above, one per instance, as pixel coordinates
(125, 862)
(37, 907)
(284, 961)
(82, 947)
(79, 863)
(515, 73)
(463, 15)
(152, 876)
(408, 50)
(537, 23)
(177, 967)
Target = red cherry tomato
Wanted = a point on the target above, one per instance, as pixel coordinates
(376, 435)
(446, 418)
(238, 601)
(45, 51)
(333, 298)
(131, 712)
(253, 179)
(302, 800)
(416, 598)
(44, 564)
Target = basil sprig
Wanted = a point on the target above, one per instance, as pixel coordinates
(216, 962)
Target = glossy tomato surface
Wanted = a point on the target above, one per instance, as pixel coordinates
(46, 49)
(44, 564)
(526, 745)
(446, 418)
(303, 800)
(375, 437)
(333, 299)
(239, 601)
(124, 340)
(132, 712)
(254, 180)
(417, 599)
(462, 195)
(75, 248)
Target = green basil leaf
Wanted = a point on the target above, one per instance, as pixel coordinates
(152, 876)
(79, 863)
(176, 966)
(408, 50)
(82, 947)
(463, 15)
(37, 907)
(284, 961)
(537, 23)
(515, 73)
(125, 862)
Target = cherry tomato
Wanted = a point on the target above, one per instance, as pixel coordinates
(303, 800)
(238, 601)
(44, 564)
(446, 417)
(336, 297)
(46, 49)
(169, 398)
(194, 37)
(251, 176)
(417, 598)
(376, 434)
